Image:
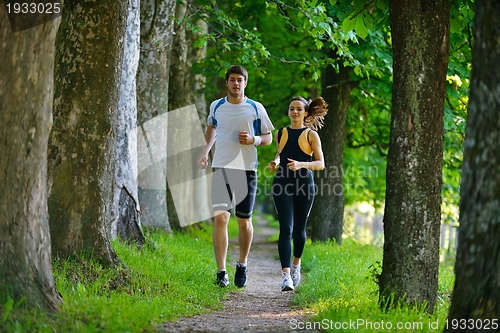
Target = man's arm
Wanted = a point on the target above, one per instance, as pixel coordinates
(209, 142)
(266, 139)
(248, 139)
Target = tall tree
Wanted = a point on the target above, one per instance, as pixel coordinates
(126, 218)
(327, 214)
(89, 51)
(477, 284)
(420, 39)
(157, 29)
(26, 98)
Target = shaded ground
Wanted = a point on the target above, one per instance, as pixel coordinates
(261, 306)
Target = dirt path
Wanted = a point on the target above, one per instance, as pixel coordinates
(261, 306)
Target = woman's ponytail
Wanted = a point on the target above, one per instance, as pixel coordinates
(316, 112)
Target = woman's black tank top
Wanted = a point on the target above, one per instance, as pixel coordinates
(292, 148)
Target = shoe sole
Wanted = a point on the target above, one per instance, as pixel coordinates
(287, 288)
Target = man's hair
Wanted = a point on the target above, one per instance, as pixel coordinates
(235, 69)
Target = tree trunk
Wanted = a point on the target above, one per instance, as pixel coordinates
(327, 215)
(477, 283)
(89, 51)
(152, 102)
(420, 35)
(26, 98)
(190, 199)
(126, 219)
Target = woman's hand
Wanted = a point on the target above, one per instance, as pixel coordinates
(294, 165)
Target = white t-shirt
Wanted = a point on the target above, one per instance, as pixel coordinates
(229, 119)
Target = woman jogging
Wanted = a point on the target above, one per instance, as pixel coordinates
(293, 187)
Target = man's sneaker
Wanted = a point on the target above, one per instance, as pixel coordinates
(295, 273)
(287, 283)
(240, 277)
(222, 279)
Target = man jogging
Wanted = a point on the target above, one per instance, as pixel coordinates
(236, 124)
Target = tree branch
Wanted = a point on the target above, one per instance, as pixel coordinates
(364, 8)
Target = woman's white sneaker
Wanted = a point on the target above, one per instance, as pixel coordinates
(287, 283)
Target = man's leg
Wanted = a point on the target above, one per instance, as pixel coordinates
(245, 236)
(244, 207)
(220, 238)
(244, 198)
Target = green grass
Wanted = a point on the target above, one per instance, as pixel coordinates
(169, 278)
(172, 277)
(341, 291)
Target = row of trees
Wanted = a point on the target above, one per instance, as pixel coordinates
(84, 175)
(118, 65)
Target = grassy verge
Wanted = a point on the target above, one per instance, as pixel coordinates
(169, 278)
(172, 277)
(341, 291)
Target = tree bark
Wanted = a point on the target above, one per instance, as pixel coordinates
(183, 91)
(477, 284)
(152, 102)
(420, 35)
(26, 98)
(327, 214)
(126, 219)
(89, 51)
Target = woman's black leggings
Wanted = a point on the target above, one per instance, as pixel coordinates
(293, 194)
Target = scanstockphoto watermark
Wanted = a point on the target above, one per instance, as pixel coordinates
(335, 172)
(328, 181)
(363, 324)
(320, 187)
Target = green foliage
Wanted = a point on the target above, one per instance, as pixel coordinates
(456, 103)
(364, 176)
(341, 287)
(297, 37)
(160, 283)
(237, 30)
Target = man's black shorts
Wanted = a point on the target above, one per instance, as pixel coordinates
(234, 189)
